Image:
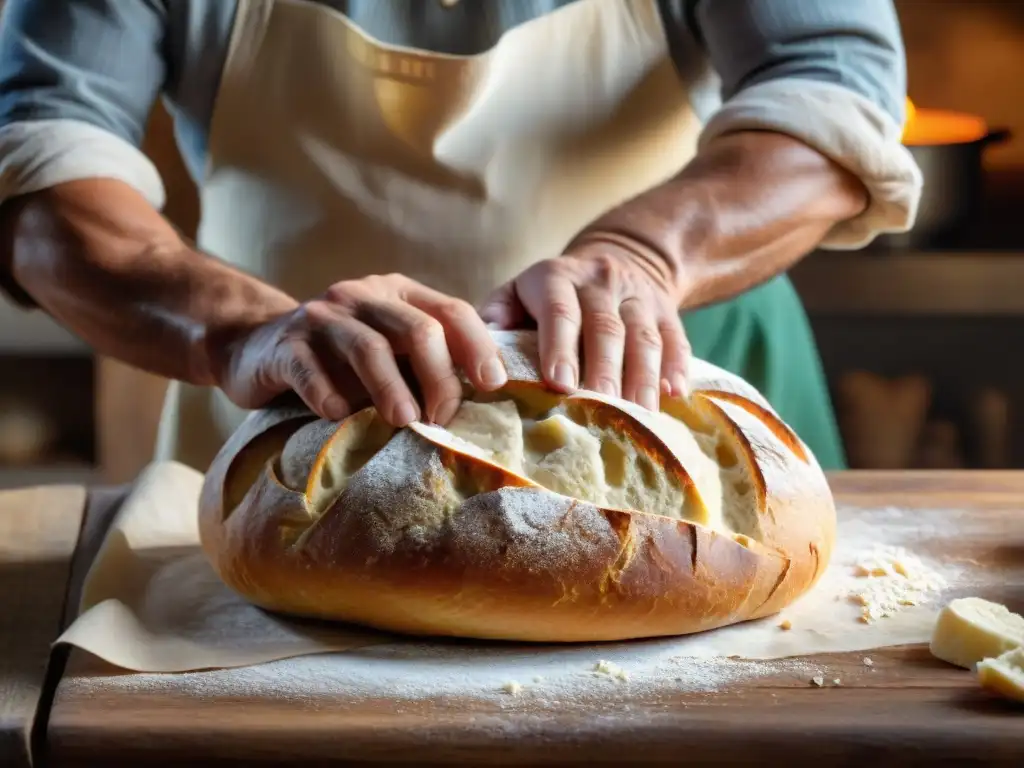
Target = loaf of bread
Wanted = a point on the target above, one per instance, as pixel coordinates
(532, 516)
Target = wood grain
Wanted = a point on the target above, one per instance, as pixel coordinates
(905, 709)
(38, 532)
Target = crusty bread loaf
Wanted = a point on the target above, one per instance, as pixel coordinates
(532, 516)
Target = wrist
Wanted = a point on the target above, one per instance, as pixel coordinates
(606, 237)
(212, 350)
(218, 347)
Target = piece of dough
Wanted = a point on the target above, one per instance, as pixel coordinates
(970, 629)
(1004, 675)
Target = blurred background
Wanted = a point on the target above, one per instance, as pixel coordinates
(921, 335)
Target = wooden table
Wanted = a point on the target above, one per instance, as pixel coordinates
(41, 530)
(906, 709)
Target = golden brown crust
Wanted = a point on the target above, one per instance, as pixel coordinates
(427, 535)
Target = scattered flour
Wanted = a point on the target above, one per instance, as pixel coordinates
(892, 579)
(400, 673)
(611, 670)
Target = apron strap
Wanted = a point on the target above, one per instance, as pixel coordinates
(247, 32)
(251, 19)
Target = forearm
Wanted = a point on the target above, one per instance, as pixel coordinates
(104, 263)
(748, 207)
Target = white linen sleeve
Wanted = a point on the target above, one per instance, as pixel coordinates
(38, 154)
(844, 126)
(831, 74)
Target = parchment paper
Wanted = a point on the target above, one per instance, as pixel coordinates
(152, 603)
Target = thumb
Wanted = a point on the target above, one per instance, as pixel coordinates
(502, 310)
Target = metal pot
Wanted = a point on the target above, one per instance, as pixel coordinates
(952, 196)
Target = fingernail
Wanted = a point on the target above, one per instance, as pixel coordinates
(492, 374)
(446, 411)
(564, 376)
(334, 408)
(679, 386)
(405, 413)
(647, 396)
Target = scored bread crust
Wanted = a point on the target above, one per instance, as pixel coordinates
(418, 531)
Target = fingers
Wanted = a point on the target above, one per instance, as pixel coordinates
(367, 323)
(502, 309)
(643, 356)
(466, 334)
(555, 304)
(372, 359)
(634, 345)
(299, 369)
(604, 340)
(422, 337)
(633, 342)
(675, 356)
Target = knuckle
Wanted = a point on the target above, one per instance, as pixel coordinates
(671, 330)
(607, 324)
(563, 310)
(315, 314)
(342, 292)
(647, 336)
(366, 346)
(425, 333)
(391, 280)
(299, 372)
(455, 311)
(607, 269)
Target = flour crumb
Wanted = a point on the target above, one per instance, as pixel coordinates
(818, 680)
(611, 670)
(868, 662)
(836, 682)
(538, 678)
(786, 625)
(512, 688)
(891, 579)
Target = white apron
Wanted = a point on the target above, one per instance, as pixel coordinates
(333, 156)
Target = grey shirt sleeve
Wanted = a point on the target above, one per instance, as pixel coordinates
(855, 44)
(831, 73)
(78, 79)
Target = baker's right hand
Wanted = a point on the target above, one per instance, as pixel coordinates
(339, 348)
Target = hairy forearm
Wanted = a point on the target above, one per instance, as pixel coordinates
(747, 208)
(101, 261)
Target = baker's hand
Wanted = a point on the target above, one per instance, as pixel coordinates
(339, 348)
(634, 345)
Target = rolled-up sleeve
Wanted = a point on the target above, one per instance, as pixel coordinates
(832, 74)
(78, 79)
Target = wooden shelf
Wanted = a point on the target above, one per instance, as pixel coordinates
(956, 284)
(35, 333)
(56, 474)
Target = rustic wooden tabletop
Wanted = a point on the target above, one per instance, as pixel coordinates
(905, 709)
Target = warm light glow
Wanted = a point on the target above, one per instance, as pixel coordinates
(911, 114)
(934, 126)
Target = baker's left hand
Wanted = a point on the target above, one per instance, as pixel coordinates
(634, 345)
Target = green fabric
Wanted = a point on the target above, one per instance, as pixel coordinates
(765, 337)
